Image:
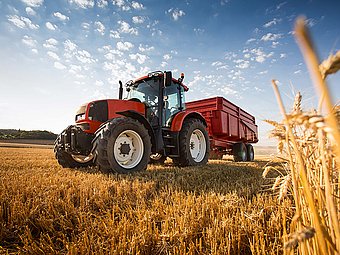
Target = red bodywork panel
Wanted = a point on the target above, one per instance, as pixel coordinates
(114, 106)
(177, 122)
(227, 123)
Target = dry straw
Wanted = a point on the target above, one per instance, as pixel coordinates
(310, 143)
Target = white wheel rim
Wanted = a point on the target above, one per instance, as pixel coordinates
(82, 159)
(198, 145)
(128, 149)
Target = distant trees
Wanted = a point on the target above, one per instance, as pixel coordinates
(23, 134)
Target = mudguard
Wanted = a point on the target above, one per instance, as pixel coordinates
(178, 120)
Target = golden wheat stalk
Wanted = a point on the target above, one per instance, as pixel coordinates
(330, 65)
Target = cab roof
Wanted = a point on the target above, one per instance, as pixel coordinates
(157, 74)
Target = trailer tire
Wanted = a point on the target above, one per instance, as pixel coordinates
(66, 160)
(240, 152)
(122, 145)
(250, 152)
(194, 144)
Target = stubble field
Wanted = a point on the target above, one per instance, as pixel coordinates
(222, 208)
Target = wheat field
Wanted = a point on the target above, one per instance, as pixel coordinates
(221, 208)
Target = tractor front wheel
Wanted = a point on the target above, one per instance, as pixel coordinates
(67, 160)
(122, 145)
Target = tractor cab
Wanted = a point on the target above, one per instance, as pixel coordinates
(162, 95)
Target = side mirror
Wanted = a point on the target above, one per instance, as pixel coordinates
(168, 79)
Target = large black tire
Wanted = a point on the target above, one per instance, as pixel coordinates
(122, 139)
(250, 152)
(193, 130)
(65, 159)
(240, 152)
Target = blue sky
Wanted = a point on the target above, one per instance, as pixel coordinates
(56, 55)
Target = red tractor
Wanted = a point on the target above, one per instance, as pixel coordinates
(151, 124)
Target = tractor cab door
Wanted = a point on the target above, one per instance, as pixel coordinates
(173, 102)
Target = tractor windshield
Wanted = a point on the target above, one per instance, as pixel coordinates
(146, 92)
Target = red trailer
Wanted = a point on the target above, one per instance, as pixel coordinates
(231, 129)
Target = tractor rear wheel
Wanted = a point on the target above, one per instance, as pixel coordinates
(194, 145)
(67, 160)
(250, 152)
(122, 145)
(240, 152)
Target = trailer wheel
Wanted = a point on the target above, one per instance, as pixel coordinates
(122, 145)
(67, 160)
(240, 152)
(194, 145)
(250, 152)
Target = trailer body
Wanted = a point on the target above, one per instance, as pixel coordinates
(227, 123)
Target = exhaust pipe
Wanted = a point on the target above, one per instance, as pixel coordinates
(120, 90)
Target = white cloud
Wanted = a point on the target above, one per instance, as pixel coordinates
(53, 55)
(29, 41)
(138, 19)
(176, 13)
(35, 51)
(224, 2)
(272, 22)
(121, 4)
(279, 6)
(271, 37)
(114, 34)
(283, 55)
(164, 64)
(140, 58)
(59, 65)
(22, 22)
(83, 3)
(250, 40)
(274, 44)
(263, 72)
(167, 57)
(259, 55)
(74, 69)
(124, 46)
(137, 6)
(102, 3)
(70, 46)
(144, 48)
(242, 64)
(199, 31)
(51, 44)
(192, 59)
(100, 27)
(51, 26)
(33, 3)
(30, 11)
(99, 83)
(311, 22)
(126, 28)
(85, 25)
(60, 16)
(297, 72)
(84, 57)
(216, 63)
